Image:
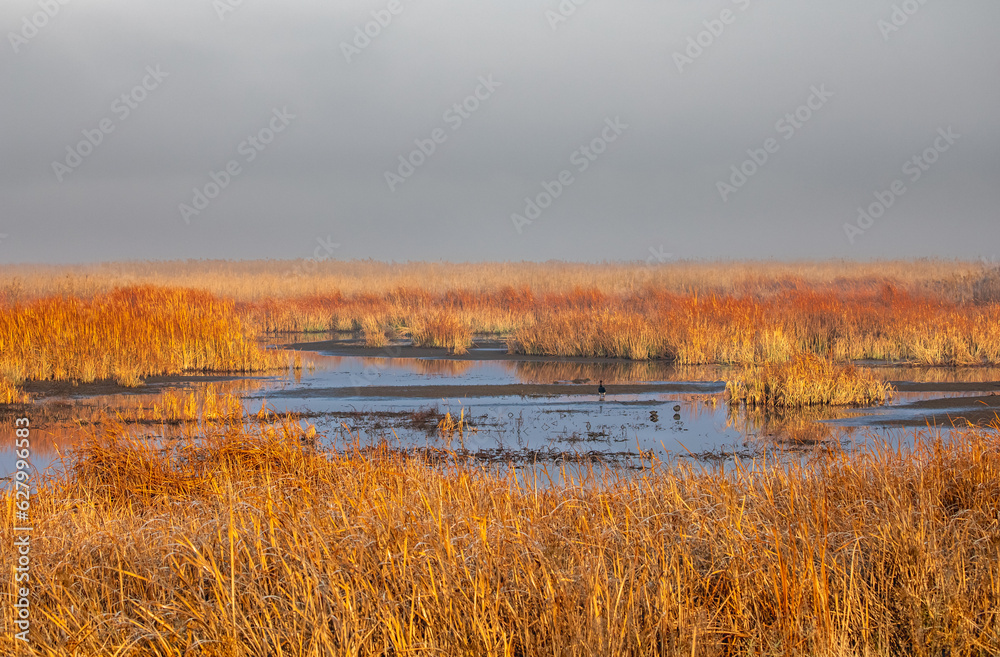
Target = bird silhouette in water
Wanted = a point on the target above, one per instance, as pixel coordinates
(600, 389)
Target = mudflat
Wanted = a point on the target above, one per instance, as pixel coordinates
(500, 390)
(946, 412)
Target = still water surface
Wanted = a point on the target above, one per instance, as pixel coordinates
(521, 410)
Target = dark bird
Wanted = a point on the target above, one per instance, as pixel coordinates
(600, 389)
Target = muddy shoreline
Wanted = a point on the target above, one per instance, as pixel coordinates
(46, 389)
(498, 390)
(490, 350)
(946, 412)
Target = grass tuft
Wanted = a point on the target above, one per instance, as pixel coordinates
(806, 380)
(448, 331)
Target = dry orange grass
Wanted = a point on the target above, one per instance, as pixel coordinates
(262, 280)
(926, 312)
(126, 335)
(587, 332)
(443, 330)
(246, 542)
(10, 393)
(881, 324)
(373, 332)
(806, 380)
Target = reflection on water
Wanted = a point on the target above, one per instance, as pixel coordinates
(352, 371)
(502, 426)
(938, 374)
(806, 426)
(59, 423)
(908, 397)
(611, 373)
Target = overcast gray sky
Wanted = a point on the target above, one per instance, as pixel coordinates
(630, 120)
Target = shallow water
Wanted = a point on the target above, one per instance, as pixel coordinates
(354, 371)
(557, 416)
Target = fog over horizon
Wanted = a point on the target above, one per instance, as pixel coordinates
(578, 130)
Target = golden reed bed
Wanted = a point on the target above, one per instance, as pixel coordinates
(133, 320)
(125, 335)
(258, 280)
(247, 541)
